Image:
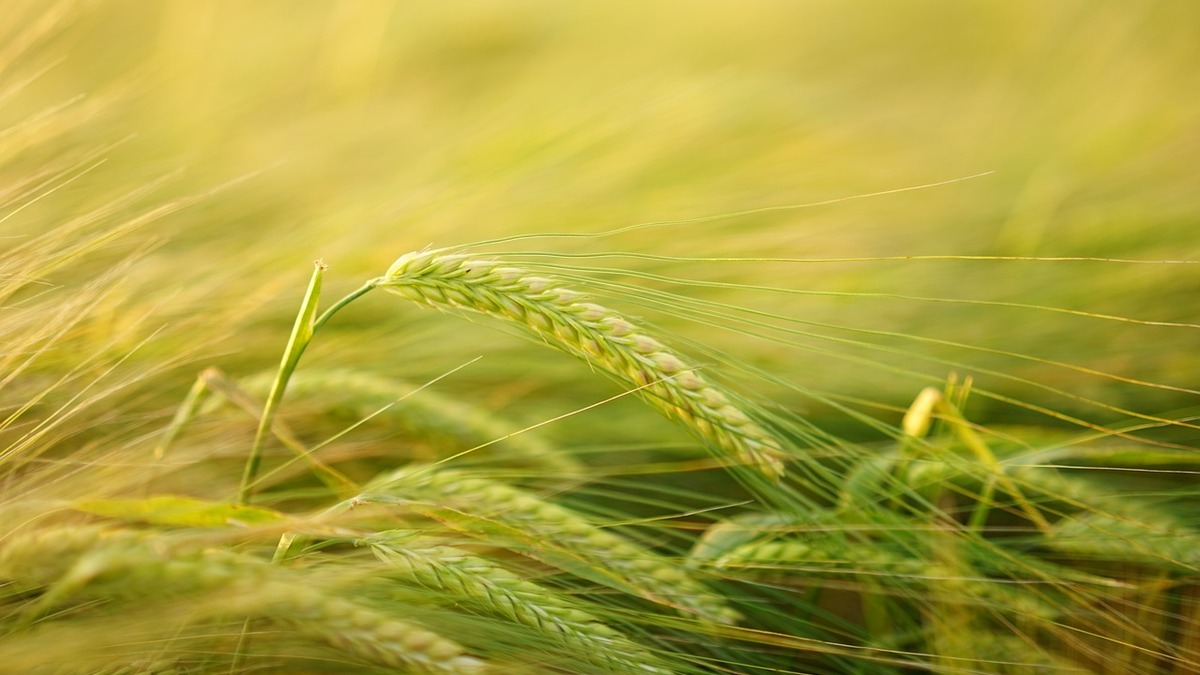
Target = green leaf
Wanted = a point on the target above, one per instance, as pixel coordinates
(302, 332)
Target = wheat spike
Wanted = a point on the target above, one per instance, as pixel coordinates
(596, 334)
(138, 566)
(481, 583)
(657, 577)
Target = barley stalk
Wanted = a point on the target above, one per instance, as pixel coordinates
(596, 334)
(126, 564)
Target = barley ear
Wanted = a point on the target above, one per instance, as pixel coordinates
(137, 566)
(555, 535)
(606, 340)
(480, 583)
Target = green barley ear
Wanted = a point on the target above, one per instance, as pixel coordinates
(1155, 539)
(606, 340)
(502, 514)
(135, 567)
(462, 578)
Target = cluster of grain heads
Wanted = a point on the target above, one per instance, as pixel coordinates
(558, 536)
(462, 578)
(567, 320)
(69, 564)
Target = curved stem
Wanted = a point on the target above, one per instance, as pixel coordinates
(333, 309)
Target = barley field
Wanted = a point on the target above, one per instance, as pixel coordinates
(668, 338)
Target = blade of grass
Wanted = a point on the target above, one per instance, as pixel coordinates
(302, 332)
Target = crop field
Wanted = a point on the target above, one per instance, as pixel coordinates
(581, 338)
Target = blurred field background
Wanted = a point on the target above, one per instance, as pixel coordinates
(368, 129)
(279, 132)
(363, 130)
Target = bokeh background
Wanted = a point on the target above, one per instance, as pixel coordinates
(278, 132)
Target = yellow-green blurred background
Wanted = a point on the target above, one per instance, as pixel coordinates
(357, 131)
